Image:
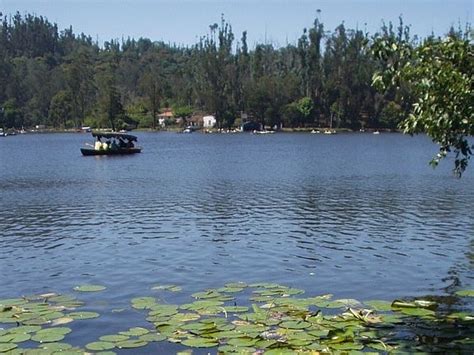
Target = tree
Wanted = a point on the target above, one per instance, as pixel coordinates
(60, 110)
(438, 74)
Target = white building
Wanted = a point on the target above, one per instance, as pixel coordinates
(208, 121)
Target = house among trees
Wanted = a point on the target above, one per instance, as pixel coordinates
(165, 117)
(209, 121)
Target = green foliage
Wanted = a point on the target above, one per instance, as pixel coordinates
(182, 111)
(438, 73)
(66, 80)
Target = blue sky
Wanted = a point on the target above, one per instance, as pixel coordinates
(276, 21)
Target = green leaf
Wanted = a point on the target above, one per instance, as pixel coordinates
(379, 305)
(100, 345)
(152, 337)
(113, 338)
(129, 344)
(89, 288)
(143, 302)
(465, 293)
(199, 343)
(4, 347)
(135, 331)
(83, 315)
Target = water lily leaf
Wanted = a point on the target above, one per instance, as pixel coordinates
(100, 345)
(143, 302)
(61, 321)
(319, 333)
(242, 342)
(415, 304)
(198, 326)
(89, 288)
(207, 294)
(420, 312)
(135, 331)
(462, 293)
(55, 346)
(113, 338)
(347, 346)
(230, 289)
(17, 338)
(464, 316)
(163, 310)
(83, 315)
(295, 324)
(381, 306)
(172, 288)
(58, 330)
(265, 285)
(279, 351)
(236, 309)
(201, 305)
(4, 347)
(184, 317)
(152, 337)
(25, 329)
(50, 335)
(129, 344)
(199, 343)
(12, 302)
(47, 337)
(239, 284)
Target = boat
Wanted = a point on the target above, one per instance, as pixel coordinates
(376, 132)
(115, 144)
(263, 132)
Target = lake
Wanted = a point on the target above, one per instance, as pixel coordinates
(356, 215)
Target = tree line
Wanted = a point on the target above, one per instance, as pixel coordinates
(62, 79)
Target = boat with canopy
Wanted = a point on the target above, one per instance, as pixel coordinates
(112, 143)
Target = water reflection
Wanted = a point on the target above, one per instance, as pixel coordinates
(326, 216)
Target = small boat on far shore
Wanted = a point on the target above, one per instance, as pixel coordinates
(115, 144)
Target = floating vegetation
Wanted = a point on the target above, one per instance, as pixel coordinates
(240, 318)
(89, 288)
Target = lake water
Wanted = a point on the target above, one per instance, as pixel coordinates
(357, 215)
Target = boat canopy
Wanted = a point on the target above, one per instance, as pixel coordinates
(108, 135)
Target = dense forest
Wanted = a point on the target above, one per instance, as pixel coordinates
(63, 80)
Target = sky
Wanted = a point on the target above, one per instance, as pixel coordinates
(278, 22)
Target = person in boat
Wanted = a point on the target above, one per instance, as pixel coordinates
(114, 145)
(98, 144)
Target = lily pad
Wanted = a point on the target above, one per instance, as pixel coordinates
(295, 324)
(114, 338)
(48, 337)
(83, 315)
(462, 293)
(135, 331)
(200, 342)
(381, 306)
(61, 321)
(171, 288)
(207, 294)
(4, 347)
(143, 302)
(89, 288)
(152, 337)
(100, 345)
(130, 344)
(55, 346)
